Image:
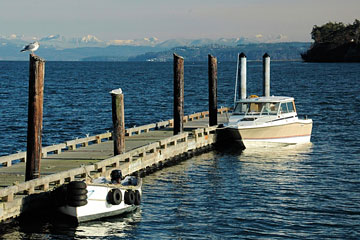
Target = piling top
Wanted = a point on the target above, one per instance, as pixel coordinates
(242, 55)
(36, 57)
(177, 56)
(266, 55)
(116, 91)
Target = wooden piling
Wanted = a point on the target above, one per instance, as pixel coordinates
(212, 71)
(118, 118)
(178, 94)
(266, 75)
(35, 116)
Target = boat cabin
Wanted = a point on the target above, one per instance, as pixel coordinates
(264, 106)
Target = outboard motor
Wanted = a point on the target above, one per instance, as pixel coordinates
(116, 176)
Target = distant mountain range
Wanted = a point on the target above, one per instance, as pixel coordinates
(91, 48)
(254, 51)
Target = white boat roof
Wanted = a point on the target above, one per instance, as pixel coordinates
(266, 99)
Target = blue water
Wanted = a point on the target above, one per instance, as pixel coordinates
(305, 192)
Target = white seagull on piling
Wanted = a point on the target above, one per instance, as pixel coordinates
(32, 47)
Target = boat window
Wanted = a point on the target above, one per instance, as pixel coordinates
(241, 108)
(257, 108)
(283, 108)
(290, 106)
(287, 107)
(270, 108)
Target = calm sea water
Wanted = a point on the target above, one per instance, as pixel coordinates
(304, 192)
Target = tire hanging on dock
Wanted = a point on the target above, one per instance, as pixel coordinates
(129, 197)
(137, 198)
(76, 194)
(114, 196)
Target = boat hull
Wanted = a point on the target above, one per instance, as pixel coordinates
(72, 212)
(98, 205)
(295, 132)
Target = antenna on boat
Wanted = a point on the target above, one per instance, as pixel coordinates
(236, 78)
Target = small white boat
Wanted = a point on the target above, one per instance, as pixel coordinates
(273, 119)
(267, 119)
(100, 198)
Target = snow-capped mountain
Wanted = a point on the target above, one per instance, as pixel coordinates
(55, 41)
(152, 41)
(61, 42)
(58, 47)
(58, 41)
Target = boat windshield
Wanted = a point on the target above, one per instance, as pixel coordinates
(287, 107)
(270, 108)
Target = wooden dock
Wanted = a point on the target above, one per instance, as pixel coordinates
(147, 148)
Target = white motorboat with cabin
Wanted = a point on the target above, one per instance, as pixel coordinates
(266, 119)
(99, 198)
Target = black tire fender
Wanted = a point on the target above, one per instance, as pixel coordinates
(76, 197)
(129, 197)
(77, 191)
(76, 194)
(137, 197)
(77, 185)
(114, 196)
(77, 203)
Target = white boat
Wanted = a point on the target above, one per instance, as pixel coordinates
(99, 198)
(267, 119)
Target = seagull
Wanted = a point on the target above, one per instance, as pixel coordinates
(31, 47)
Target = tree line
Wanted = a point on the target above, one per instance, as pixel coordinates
(335, 42)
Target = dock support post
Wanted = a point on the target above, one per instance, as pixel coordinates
(266, 75)
(178, 94)
(242, 59)
(212, 70)
(118, 118)
(35, 117)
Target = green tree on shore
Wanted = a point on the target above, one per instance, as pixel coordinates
(336, 32)
(335, 41)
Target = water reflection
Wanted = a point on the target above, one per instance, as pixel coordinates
(54, 226)
(282, 164)
(115, 227)
(278, 152)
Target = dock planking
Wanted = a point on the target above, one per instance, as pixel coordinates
(88, 155)
(148, 144)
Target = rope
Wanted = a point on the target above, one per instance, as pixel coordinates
(87, 173)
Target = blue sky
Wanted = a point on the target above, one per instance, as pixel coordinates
(166, 19)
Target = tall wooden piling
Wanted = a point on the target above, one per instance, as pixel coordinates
(35, 116)
(178, 94)
(212, 70)
(118, 118)
(266, 75)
